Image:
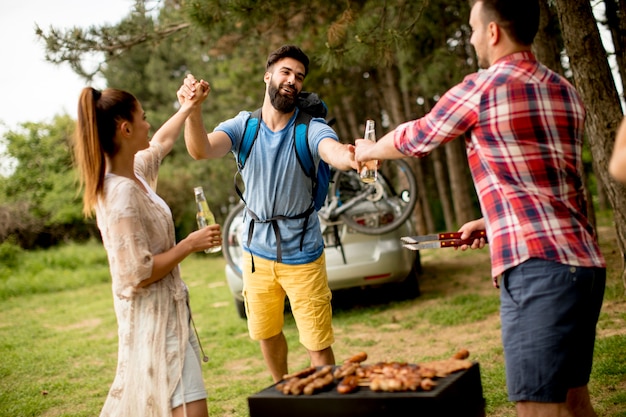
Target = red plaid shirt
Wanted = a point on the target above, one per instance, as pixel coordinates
(524, 134)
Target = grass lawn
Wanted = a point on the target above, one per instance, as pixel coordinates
(58, 335)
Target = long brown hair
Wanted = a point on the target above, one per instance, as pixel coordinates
(99, 113)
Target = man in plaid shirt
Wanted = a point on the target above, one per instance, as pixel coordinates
(523, 126)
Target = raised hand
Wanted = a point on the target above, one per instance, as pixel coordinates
(193, 91)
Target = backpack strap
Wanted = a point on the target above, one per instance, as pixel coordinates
(249, 136)
(320, 176)
(274, 222)
(252, 130)
(301, 139)
(303, 153)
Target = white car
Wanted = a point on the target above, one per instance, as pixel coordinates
(353, 260)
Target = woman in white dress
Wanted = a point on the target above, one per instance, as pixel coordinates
(158, 370)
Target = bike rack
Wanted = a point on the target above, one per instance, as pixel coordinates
(336, 239)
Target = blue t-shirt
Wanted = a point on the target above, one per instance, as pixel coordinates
(275, 184)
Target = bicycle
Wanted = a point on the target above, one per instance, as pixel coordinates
(373, 208)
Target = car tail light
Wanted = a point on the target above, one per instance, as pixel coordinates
(379, 276)
(378, 219)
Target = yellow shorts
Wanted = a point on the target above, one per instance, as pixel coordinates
(305, 285)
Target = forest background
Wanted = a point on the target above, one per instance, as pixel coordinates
(386, 60)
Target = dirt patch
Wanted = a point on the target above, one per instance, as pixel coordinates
(448, 273)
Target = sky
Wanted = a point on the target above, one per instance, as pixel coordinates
(32, 89)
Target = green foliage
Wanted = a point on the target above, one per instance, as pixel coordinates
(387, 60)
(347, 39)
(70, 45)
(10, 254)
(61, 268)
(154, 72)
(42, 152)
(353, 47)
(40, 197)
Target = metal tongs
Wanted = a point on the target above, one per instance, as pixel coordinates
(441, 240)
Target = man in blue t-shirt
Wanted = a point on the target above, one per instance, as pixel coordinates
(278, 260)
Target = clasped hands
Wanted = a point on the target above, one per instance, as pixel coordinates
(192, 88)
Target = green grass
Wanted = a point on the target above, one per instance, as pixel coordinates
(58, 334)
(463, 309)
(60, 269)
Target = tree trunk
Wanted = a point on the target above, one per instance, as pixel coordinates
(392, 96)
(601, 197)
(350, 116)
(340, 126)
(587, 56)
(548, 43)
(441, 178)
(547, 47)
(616, 21)
(423, 216)
(461, 186)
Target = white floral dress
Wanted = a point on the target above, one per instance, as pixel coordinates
(134, 226)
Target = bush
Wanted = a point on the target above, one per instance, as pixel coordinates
(60, 268)
(10, 253)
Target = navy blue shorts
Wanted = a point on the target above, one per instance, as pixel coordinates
(549, 313)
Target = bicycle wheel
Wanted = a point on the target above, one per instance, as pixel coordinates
(380, 207)
(231, 234)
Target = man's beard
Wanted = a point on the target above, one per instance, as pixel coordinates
(282, 103)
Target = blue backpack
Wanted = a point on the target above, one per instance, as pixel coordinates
(310, 106)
